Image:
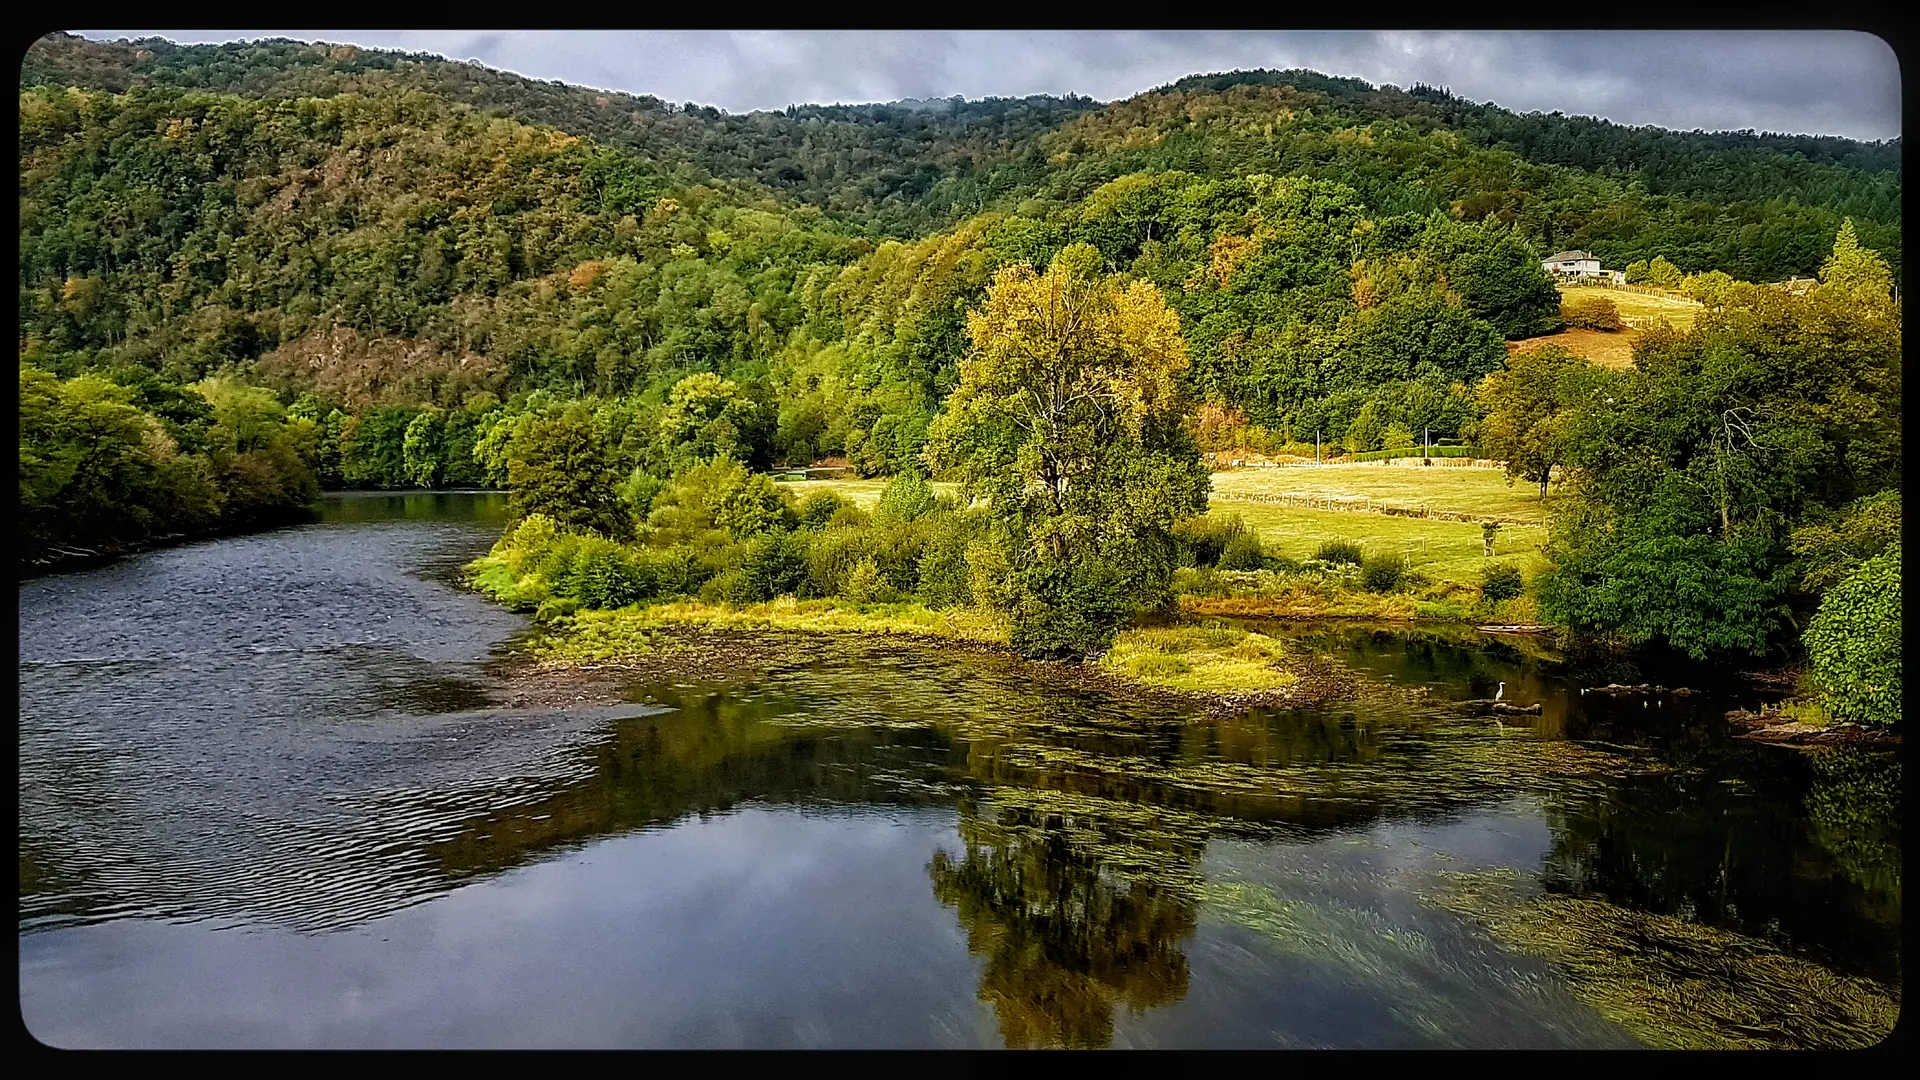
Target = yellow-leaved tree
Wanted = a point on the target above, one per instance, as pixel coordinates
(1066, 421)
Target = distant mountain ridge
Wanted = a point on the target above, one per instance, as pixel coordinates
(907, 167)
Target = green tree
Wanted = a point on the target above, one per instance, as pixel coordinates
(1854, 271)
(1531, 407)
(1853, 643)
(559, 467)
(1067, 422)
(421, 451)
(709, 417)
(1663, 274)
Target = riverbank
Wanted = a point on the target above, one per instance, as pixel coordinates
(1216, 667)
(1774, 726)
(63, 559)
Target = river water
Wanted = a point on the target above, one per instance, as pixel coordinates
(267, 800)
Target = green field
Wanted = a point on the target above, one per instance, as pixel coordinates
(863, 492)
(1443, 488)
(1444, 550)
(1636, 307)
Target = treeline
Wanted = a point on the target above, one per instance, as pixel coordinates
(1844, 175)
(1756, 230)
(110, 464)
(401, 253)
(1761, 207)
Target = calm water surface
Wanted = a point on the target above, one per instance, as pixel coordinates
(266, 800)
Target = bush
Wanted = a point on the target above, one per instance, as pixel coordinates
(1382, 573)
(1501, 581)
(821, 508)
(611, 576)
(867, 584)
(832, 554)
(1592, 313)
(1853, 643)
(720, 494)
(639, 490)
(1339, 551)
(1064, 611)
(907, 496)
(774, 566)
(943, 570)
(1243, 553)
(731, 587)
(1206, 536)
(1281, 564)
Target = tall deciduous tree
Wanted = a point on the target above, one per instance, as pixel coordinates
(1531, 408)
(559, 467)
(1067, 421)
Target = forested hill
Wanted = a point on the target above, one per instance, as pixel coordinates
(1761, 207)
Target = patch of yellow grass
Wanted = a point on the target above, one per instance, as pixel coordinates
(1200, 659)
(1609, 350)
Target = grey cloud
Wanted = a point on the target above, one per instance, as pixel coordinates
(1829, 82)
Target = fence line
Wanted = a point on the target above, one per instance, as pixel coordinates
(1367, 506)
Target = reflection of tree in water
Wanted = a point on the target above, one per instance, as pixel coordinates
(1071, 928)
(1732, 844)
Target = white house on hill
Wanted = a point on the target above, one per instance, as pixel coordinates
(1583, 265)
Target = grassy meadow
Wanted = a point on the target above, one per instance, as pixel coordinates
(863, 493)
(1443, 488)
(1608, 349)
(1442, 550)
(1636, 307)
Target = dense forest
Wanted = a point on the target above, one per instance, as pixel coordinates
(1761, 207)
(264, 266)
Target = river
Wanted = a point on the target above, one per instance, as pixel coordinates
(268, 799)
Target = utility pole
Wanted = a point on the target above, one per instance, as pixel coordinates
(1425, 443)
(1316, 446)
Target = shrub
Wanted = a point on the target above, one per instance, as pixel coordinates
(1281, 564)
(989, 574)
(611, 576)
(640, 488)
(943, 570)
(907, 496)
(774, 565)
(1206, 536)
(867, 584)
(1243, 553)
(1339, 551)
(720, 494)
(1592, 313)
(1382, 573)
(832, 555)
(1501, 581)
(1066, 611)
(1853, 643)
(731, 587)
(820, 508)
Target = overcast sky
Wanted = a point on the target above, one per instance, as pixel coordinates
(1824, 82)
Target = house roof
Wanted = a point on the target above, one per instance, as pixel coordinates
(1571, 256)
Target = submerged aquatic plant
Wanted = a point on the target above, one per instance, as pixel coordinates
(1675, 984)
